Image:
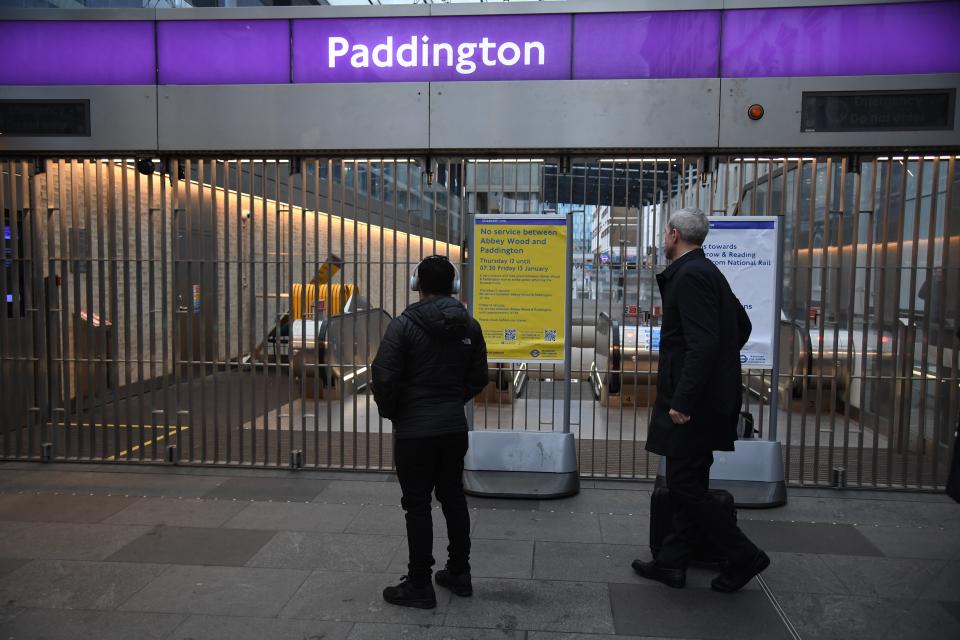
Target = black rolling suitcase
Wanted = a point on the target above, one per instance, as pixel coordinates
(661, 523)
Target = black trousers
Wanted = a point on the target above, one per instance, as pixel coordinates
(698, 516)
(425, 465)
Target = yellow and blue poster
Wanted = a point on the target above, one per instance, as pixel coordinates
(520, 286)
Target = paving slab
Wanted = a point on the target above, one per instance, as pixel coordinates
(59, 541)
(330, 551)
(191, 545)
(842, 617)
(522, 525)
(553, 635)
(953, 608)
(886, 512)
(925, 620)
(885, 577)
(65, 584)
(658, 610)
(353, 492)
(624, 529)
(534, 604)
(391, 520)
(591, 562)
(295, 516)
(504, 504)
(809, 537)
(268, 489)
(357, 597)
(607, 501)
(8, 565)
(802, 573)
(174, 512)
(61, 508)
(9, 527)
(159, 482)
(49, 624)
(945, 586)
(379, 631)
(488, 558)
(198, 627)
(226, 591)
(913, 542)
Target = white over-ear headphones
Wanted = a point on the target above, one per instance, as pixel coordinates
(415, 278)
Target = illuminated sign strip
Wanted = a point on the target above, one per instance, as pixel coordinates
(916, 38)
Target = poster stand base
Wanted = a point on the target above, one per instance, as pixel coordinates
(521, 464)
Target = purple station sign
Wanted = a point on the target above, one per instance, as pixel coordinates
(83, 52)
(915, 38)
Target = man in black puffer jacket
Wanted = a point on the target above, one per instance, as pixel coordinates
(432, 360)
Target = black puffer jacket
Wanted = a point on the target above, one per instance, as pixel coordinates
(431, 361)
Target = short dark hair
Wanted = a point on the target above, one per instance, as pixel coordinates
(435, 275)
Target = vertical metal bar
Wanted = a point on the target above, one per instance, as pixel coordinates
(226, 261)
(902, 412)
(821, 320)
(66, 311)
(134, 409)
(153, 308)
(911, 315)
(884, 228)
(279, 206)
(344, 165)
(868, 272)
(326, 309)
(356, 277)
(851, 301)
(52, 311)
(8, 208)
(201, 257)
(930, 243)
(288, 288)
(118, 363)
(950, 236)
(150, 314)
(315, 266)
(34, 303)
(168, 370)
(217, 266)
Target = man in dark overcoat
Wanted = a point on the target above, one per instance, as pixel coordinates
(699, 395)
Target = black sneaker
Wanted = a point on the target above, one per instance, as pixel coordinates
(459, 583)
(406, 594)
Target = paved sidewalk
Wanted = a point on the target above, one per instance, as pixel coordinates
(111, 552)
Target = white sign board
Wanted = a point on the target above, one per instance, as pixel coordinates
(745, 250)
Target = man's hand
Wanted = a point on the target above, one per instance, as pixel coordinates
(678, 418)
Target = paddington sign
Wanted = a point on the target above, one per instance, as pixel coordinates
(432, 49)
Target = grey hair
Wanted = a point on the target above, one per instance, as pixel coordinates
(692, 224)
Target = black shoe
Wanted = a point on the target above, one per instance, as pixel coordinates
(459, 583)
(735, 578)
(406, 594)
(670, 576)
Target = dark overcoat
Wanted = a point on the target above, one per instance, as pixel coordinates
(704, 328)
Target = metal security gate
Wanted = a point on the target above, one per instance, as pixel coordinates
(225, 311)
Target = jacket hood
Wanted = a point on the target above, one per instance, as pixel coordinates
(441, 317)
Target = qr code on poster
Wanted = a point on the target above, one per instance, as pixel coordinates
(550, 335)
(510, 335)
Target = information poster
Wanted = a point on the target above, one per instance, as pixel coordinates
(520, 286)
(745, 250)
